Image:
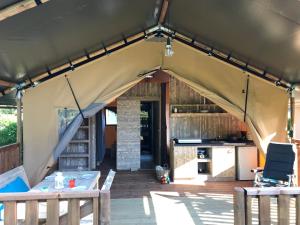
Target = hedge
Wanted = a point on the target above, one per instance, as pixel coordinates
(8, 132)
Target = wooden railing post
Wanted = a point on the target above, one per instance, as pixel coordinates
(10, 213)
(104, 207)
(32, 213)
(283, 209)
(298, 210)
(239, 207)
(104, 200)
(264, 210)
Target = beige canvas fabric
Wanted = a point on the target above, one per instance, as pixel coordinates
(107, 78)
(226, 85)
(100, 81)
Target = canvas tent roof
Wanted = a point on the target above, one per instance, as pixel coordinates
(265, 34)
(98, 83)
(58, 32)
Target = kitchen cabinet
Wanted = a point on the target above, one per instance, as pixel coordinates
(184, 162)
(218, 165)
(223, 162)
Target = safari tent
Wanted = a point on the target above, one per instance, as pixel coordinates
(77, 58)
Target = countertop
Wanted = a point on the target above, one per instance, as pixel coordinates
(219, 143)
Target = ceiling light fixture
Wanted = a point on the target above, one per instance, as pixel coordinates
(149, 75)
(169, 49)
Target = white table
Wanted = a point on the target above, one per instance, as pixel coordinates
(84, 180)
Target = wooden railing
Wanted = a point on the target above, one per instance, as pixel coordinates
(266, 206)
(9, 157)
(46, 208)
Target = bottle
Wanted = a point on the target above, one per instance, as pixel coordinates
(59, 180)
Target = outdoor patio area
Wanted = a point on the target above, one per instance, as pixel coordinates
(138, 198)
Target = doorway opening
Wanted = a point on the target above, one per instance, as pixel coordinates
(150, 133)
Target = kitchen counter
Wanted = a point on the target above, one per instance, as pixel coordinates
(219, 164)
(217, 143)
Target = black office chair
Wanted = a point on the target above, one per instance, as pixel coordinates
(279, 167)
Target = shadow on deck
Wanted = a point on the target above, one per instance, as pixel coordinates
(138, 198)
(141, 183)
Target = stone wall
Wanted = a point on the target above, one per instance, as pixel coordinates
(128, 134)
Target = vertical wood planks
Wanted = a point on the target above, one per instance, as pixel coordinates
(91, 200)
(9, 157)
(239, 207)
(249, 210)
(203, 125)
(52, 212)
(10, 213)
(104, 213)
(298, 210)
(32, 213)
(283, 209)
(74, 212)
(96, 211)
(264, 210)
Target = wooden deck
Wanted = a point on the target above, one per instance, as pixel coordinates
(139, 199)
(142, 183)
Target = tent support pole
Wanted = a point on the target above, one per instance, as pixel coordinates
(246, 99)
(292, 114)
(292, 135)
(78, 106)
(20, 129)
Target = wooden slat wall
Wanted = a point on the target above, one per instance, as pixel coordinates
(183, 94)
(9, 157)
(206, 126)
(189, 125)
(199, 125)
(144, 89)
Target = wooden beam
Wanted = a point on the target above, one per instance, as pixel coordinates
(104, 209)
(163, 12)
(108, 181)
(19, 8)
(6, 83)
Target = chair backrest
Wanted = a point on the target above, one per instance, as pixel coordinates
(279, 161)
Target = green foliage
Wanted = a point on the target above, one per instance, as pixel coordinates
(8, 127)
(8, 133)
(8, 111)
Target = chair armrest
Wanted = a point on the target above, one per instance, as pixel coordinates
(257, 170)
(291, 175)
(291, 180)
